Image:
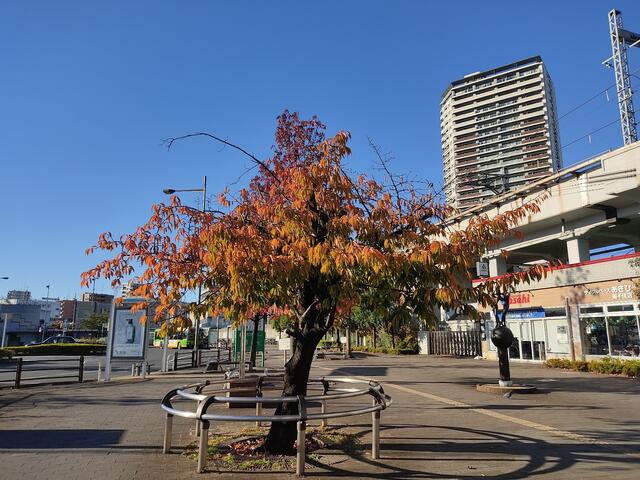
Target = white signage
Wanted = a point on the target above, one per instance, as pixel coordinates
(284, 343)
(482, 268)
(128, 334)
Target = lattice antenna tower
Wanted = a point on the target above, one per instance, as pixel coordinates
(621, 40)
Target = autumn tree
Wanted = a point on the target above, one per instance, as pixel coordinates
(306, 240)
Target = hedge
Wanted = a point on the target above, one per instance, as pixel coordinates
(615, 366)
(60, 349)
(5, 353)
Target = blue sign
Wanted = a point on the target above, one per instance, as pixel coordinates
(525, 313)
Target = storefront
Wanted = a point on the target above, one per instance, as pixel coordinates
(539, 333)
(581, 321)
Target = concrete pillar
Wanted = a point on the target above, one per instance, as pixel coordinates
(578, 250)
(497, 266)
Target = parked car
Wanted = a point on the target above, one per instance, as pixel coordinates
(56, 339)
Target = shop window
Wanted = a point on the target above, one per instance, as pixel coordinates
(591, 309)
(620, 308)
(594, 335)
(555, 312)
(623, 333)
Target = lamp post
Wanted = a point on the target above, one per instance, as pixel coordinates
(6, 320)
(171, 191)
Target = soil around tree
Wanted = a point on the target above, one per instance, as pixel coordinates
(243, 450)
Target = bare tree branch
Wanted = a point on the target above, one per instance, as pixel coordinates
(170, 141)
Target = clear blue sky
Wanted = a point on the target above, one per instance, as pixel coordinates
(88, 90)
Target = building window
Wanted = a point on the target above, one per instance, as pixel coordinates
(594, 336)
(615, 333)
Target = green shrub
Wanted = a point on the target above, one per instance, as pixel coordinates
(60, 349)
(607, 365)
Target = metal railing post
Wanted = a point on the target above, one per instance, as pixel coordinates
(198, 424)
(300, 453)
(203, 446)
(81, 369)
(18, 373)
(258, 410)
(168, 427)
(323, 406)
(375, 433)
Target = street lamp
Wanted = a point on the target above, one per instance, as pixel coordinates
(6, 320)
(171, 191)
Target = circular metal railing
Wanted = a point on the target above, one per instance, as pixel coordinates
(211, 392)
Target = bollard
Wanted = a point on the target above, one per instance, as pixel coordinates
(99, 370)
(323, 406)
(133, 369)
(300, 454)
(197, 434)
(81, 369)
(18, 373)
(203, 446)
(175, 359)
(258, 411)
(323, 409)
(168, 427)
(375, 433)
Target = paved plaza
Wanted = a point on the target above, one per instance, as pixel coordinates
(579, 426)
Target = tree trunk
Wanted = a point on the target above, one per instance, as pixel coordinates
(254, 341)
(282, 435)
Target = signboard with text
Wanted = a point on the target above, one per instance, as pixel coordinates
(128, 334)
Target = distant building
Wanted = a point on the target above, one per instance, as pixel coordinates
(97, 297)
(76, 311)
(19, 296)
(21, 318)
(499, 131)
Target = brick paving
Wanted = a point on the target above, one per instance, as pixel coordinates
(580, 426)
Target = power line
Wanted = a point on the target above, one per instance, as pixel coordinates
(590, 99)
(617, 120)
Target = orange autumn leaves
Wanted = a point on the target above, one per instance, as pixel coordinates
(303, 220)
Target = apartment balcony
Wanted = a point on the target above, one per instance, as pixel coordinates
(467, 156)
(466, 96)
(465, 138)
(465, 148)
(528, 140)
(535, 147)
(516, 98)
(536, 156)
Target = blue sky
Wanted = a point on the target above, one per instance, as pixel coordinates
(89, 90)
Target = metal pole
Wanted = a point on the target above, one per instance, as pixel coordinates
(165, 344)
(203, 444)
(168, 427)
(107, 364)
(197, 329)
(4, 328)
(243, 347)
(18, 373)
(81, 369)
(300, 456)
(375, 433)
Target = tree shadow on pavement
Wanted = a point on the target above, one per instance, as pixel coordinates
(57, 439)
(410, 456)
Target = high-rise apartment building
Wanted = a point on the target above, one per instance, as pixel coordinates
(499, 131)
